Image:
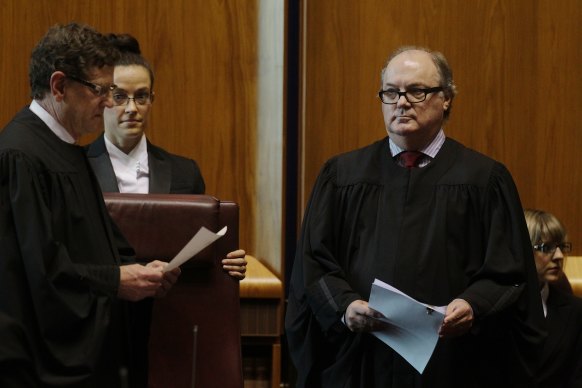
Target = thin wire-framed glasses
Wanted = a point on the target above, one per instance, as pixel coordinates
(98, 90)
(565, 247)
(138, 99)
(412, 95)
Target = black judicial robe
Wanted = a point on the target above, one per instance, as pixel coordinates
(58, 264)
(561, 365)
(453, 229)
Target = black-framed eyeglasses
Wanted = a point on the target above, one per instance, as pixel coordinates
(98, 90)
(138, 99)
(412, 95)
(565, 247)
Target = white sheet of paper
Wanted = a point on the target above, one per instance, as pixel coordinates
(414, 326)
(201, 240)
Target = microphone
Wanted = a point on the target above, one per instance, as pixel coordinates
(194, 339)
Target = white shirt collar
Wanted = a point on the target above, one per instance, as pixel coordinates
(431, 149)
(545, 294)
(132, 169)
(138, 153)
(51, 122)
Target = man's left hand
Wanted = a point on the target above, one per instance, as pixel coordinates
(458, 319)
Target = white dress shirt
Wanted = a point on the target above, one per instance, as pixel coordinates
(430, 151)
(132, 169)
(545, 294)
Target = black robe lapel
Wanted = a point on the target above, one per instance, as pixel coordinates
(160, 171)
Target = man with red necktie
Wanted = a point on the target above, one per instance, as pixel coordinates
(438, 221)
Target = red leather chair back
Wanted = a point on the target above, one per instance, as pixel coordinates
(157, 226)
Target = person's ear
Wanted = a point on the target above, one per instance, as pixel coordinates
(446, 104)
(57, 85)
(152, 96)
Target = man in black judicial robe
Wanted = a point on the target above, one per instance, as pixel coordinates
(450, 232)
(60, 272)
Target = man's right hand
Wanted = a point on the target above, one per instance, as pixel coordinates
(138, 282)
(360, 317)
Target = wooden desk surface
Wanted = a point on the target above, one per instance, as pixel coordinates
(260, 282)
(261, 293)
(573, 270)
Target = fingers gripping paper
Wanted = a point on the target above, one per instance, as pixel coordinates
(201, 240)
(413, 326)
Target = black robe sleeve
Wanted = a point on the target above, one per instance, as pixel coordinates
(319, 292)
(506, 267)
(62, 301)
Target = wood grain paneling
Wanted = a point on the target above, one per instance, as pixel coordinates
(204, 54)
(557, 134)
(516, 65)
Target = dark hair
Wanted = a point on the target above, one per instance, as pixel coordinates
(130, 53)
(73, 49)
(443, 68)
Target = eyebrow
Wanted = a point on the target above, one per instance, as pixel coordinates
(140, 90)
(412, 85)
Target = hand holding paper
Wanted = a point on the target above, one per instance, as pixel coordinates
(458, 319)
(360, 317)
(201, 240)
(414, 326)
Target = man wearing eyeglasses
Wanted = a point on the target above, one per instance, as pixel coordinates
(61, 276)
(436, 220)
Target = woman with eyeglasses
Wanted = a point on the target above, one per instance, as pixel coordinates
(125, 161)
(561, 360)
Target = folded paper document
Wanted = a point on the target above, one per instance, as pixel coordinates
(201, 240)
(413, 326)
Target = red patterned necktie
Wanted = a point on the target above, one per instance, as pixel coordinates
(410, 158)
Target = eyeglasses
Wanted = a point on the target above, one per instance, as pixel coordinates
(98, 90)
(413, 95)
(565, 247)
(139, 99)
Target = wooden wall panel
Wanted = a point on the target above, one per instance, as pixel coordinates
(204, 56)
(516, 64)
(557, 135)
